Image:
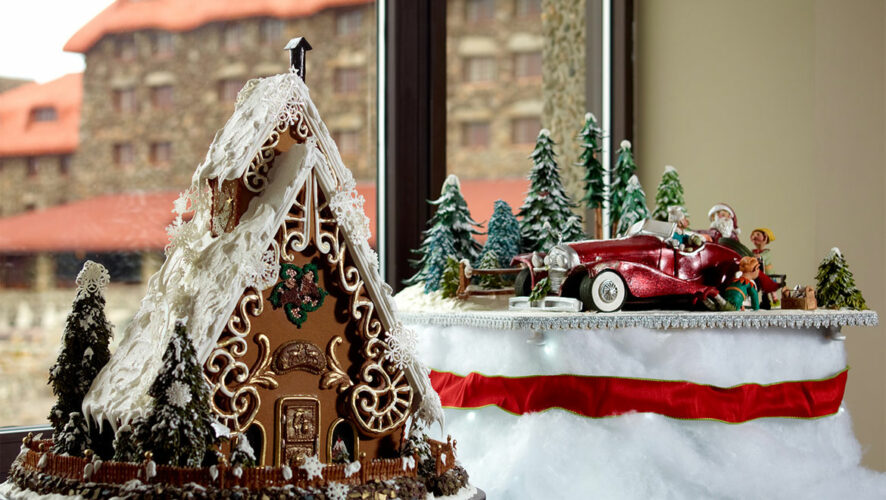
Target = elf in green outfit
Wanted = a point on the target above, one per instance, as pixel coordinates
(733, 298)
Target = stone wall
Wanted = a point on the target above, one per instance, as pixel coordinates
(20, 189)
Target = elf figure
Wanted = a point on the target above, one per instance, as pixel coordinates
(683, 239)
(761, 237)
(740, 290)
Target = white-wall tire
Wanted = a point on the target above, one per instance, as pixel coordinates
(605, 292)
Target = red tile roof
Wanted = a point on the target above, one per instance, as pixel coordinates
(20, 135)
(125, 16)
(137, 221)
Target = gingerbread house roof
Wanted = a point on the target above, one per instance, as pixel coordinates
(206, 273)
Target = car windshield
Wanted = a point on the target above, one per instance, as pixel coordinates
(662, 229)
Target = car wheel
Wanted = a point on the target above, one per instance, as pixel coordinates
(523, 283)
(605, 292)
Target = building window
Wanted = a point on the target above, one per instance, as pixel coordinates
(475, 135)
(124, 47)
(161, 44)
(527, 8)
(347, 80)
(479, 69)
(524, 130)
(161, 97)
(228, 89)
(232, 36)
(124, 100)
(161, 153)
(479, 11)
(527, 64)
(271, 31)
(64, 165)
(348, 141)
(348, 21)
(31, 167)
(44, 114)
(124, 154)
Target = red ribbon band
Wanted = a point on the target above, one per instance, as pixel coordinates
(595, 396)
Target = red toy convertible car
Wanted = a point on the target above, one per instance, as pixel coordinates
(604, 274)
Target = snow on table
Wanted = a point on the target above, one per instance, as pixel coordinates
(558, 454)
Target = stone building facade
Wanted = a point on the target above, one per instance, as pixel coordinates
(152, 99)
(494, 87)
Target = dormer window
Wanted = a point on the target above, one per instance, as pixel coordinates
(44, 114)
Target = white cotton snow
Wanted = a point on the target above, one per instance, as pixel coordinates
(557, 454)
(717, 357)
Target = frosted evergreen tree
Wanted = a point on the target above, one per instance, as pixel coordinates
(451, 230)
(547, 201)
(503, 236)
(125, 449)
(590, 137)
(178, 428)
(836, 285)
(83, 353)
(669, 194)
(243, 454)
(449, 281)
(621, 173)
(437, 247)
(633, 207)
(490, 261)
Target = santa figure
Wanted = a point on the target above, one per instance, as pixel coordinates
(724, 224)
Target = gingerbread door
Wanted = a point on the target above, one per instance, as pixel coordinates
(298, 429)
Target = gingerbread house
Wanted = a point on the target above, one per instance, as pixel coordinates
(281, 293)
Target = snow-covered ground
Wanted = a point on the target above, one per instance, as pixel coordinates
(558, 454)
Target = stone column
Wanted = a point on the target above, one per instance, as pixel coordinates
(44, 272)
(563, 85)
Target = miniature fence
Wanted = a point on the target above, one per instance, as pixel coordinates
(466, 272)
(249, 477)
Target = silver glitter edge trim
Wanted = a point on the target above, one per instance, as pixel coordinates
(657, 320)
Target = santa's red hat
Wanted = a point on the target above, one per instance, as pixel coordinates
(723, 206)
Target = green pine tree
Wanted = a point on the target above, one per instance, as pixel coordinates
(243, 454)
(449, 282)
(836, 285)
(83, 354)
(503, 236)
(450, 230)
(589, 138)
(547, 201)
(178, 429)
(490, 281)
(633, 207)
(669, 194)
(621, 173)
(125, 449)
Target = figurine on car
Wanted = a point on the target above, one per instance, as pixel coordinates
(683, 238)
(739, 292)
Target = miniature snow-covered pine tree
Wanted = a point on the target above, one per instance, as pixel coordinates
(669, 194)
(633, 207)
(490, 261)
(621, 173)
(546, 201)
(83, 353)
(124, 444)
(178, 428)
(437, 247)
(503, 236)
(449, 281)
(452, 230)
(243, 454)
(836, 285)
(589, 137)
